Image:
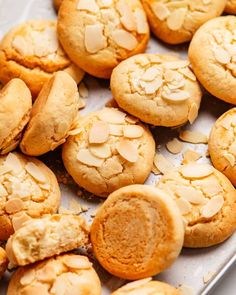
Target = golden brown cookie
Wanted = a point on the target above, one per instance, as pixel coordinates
(146, 287)
(138, 232)
(97, 35)
(57, 4)
(176, 22)
(3, 261)
(213, 57)
(65, 274)
(53, 115)
(32, 52)
(111, 150)
(28, 189)
(48, 236)
(222, 145)
(207, 202)
(230, 7)
(158, 89)
(15, 107)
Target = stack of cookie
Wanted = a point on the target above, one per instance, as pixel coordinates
(139, 230)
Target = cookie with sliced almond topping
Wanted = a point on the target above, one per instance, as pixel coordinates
(53, 115)
(230, 7)
(222, 145)
(175, 22)
(64, 274)
(28, 189)
(31, 51)
(158, 89)
(97, 35)
(3, 261)
(206, 200)
(111, 150)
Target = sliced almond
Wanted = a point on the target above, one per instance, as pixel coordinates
(102, 151)
(232, 148)
(183, 205)
(83, 90)
(47, 274)
(188, 73)
(196, 171)
(190, 194)
(176, 65)
(3, 191)
(151, 87)
(150, 74)
(155, 170)
(136, 284)
(14, 163)
(207, 277)
(131, 119)
(28, 277)
(177, 96)
(133, 131)
(77, 262)
(35, 172)
(190, 156)
(160, 10)
(75, 132)
(222, 56)
(230, 158)
(127, 18)
(116, 130)
(94, 39)
(113, 116)
(19, 220)
(193, 136)
(226, 122)
(127, 150)
(87, 158)
(212, 207)
(174, 146)
(14, 205)
(141, 21)
(124, 39)
(176, 19)
(99, 132)
(193, 113)
(90, 5)
(5, 169)
(163, 164)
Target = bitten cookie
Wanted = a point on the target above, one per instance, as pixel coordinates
(15, 107)
(213, 57)
(65, 274)
(158, 89)
(231, 6)
(3, 261)
(97, 35)
(146, 287)
(57, 4)
(111, 150)
(28, 188)
(32, 52)
(138, 232)
(222, 145)
(48, 236)
(53, 115)
(207, 202)
(176, 22)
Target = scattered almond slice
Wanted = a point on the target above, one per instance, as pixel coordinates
(212, 207)
(35, 172)
(127, 18)
(183, 205)
(136, 284)
(47, 274)
(160, 10)
(176, 19)
(232, 148)
(5, 169)
(14, 205)
(87, 158)
(99, 132)
(151, 87)
(141, 21)
(133, 131)
(155, 170)
(150, 74)
(226, 122)
(222, 56)
(75, 132)
(102, 151)
(14, 163)
(131, 119)
(174, 146)
(90, 6)
(188, 73)
(127, 150)
(193, 113)
(196, 171)
(18, 221)
(190, 156)
(230, 158)
(176, 65)
(74, 207)
(94, 39)
(116, 130)
(207, 277)
(63, 210)
(111, 115)
(78, 262)
(177, 96)
(190, 194)
(3, 191)
(193, 136)
(83, 90)
(163, 164)
(124, 39)
(28, 277)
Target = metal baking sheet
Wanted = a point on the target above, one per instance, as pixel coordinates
(192, 265)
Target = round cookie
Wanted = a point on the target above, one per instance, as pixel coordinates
(32, 52)
(65, 274)
(158, 89)
(53, 115)
(57, 4)
(207, 202)
(213, 57)
(15, 107)
(146, 287)
(111, 150)
(28, 189)
(230, 7)
(175, 22)
(138, 232)
(97, 35)
(3, 261)
(222, 145)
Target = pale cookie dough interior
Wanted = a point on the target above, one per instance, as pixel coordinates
(3, 262)
(212, 53)
(222, 145)
(111, 150)
(32, 52)
(28, 189)
(138, 232)
(53, 115)
(48, 236)
(98, 34)
(158, 89)
(231, 6)
(207, 201)
(176, 21)
(61, 275)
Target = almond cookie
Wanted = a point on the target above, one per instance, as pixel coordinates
(98, 34)
(53, 115)
(3, 261)
(146, 287)
(57, 4)
(158, 89)
(15, 107)
(213, 57)
(176, 22)
(28, 188)
(207, 202)
(222, 145)
(138, 232)
(110, 150)
(62, 275)
(48, 236)
(231, 6)
(32, 52)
